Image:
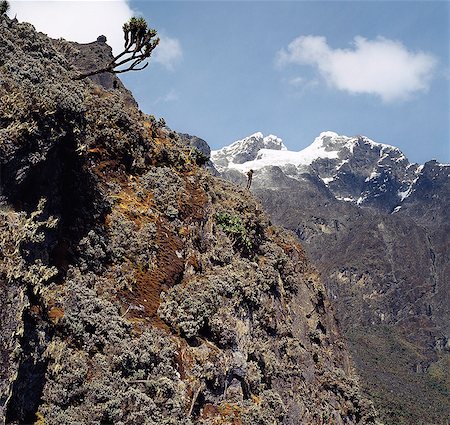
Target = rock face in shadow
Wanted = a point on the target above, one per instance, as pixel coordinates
(377, 229)
(138, 288)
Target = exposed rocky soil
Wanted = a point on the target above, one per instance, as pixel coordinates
(138, 288)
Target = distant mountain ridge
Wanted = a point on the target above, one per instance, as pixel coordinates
(246, 150)
(377, 228)
(354, 169)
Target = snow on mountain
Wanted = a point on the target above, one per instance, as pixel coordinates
(263, 151)
(256, 151)
(354, 169)
(406, 191)
(245, 150)
(269, 157)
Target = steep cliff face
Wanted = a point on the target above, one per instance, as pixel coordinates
(376, 226)
(139, 288)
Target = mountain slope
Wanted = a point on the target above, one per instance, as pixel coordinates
(139, 288)
(377, 228)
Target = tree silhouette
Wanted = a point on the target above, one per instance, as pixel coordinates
(140, 41)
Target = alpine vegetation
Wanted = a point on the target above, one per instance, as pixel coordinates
(137, 287)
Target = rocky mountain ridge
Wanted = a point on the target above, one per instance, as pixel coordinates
(137, 287)
(354, 169)
(376, 226)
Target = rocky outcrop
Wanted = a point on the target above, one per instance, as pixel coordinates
(89, 57)
(201, 148)
(138, 287)
(377, 228)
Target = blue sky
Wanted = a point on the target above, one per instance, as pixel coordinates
(227, 69)
(228, 82)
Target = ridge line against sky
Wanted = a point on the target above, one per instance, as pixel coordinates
(227, 69)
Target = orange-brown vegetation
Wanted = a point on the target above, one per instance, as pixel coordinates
(56, 314)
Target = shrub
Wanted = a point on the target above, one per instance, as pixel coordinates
(233, 227)
(198, 156)
(21, 240)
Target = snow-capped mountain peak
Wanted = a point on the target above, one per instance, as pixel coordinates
(256, 152)
(332, 141)
(245, 150)
(354, 169)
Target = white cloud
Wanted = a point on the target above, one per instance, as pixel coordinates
(168, 52)
(381, 67)
(82, 21)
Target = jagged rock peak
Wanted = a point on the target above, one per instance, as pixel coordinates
(354, 169)
(333, 141)
(244, 150)
(256, 151)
